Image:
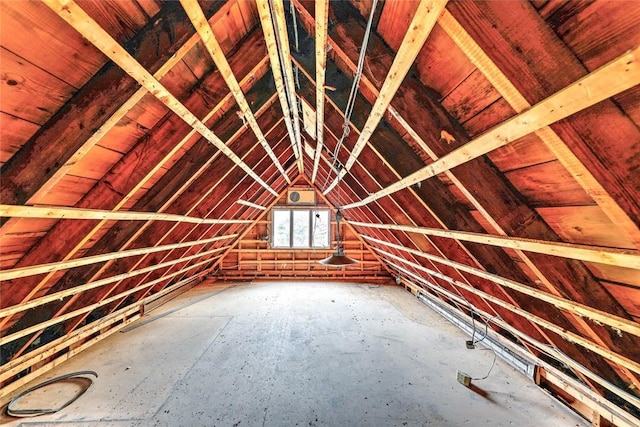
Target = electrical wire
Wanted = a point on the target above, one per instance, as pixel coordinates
(15, 412)
(354, 92)
(495, 356)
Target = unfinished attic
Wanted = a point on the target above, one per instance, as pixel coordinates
(320, 213)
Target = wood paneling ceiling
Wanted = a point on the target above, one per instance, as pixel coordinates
(493, 152)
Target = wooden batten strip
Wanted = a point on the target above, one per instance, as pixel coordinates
(75, 16)
(322, 24)
(280, 26)
(554, 353)
(609, 256)
(251, 205)
(421, 25)
(548, 136)
(600, 316)
(112, 121)
(40, 326)
(569, 336)
(55, 212)
(202, 26)
(63, 265)
(272, 49)
(617, 76)
(98, 283)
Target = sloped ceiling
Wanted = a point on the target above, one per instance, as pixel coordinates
(495, 163)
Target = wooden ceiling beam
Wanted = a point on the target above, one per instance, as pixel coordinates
(274, 56)
(468, 176)
(75, 16)
(421, 25)
(368, 172)
(59, 319)
(280, 27)
(119, 287)
(109, 191)
(617, 76)
(111, 256)
(543, 348)
(204, 30)
(61, 141)
(601, 255)
(609, 319)
(552, 141)
(97, 196)
(322, 24)
(569, 336)
(148, 236)
(56, 212)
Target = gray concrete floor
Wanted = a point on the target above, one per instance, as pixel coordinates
(305, 354)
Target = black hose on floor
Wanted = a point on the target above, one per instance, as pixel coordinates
(35, 412)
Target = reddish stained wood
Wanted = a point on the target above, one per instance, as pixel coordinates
(585, 224)
(628, 297)
(616, 274)
(15, 132)
(56, 142)
(150, 7)
(495, 113)
(526, 151)
(33, 31)
(593, 39)
(470, 97)
(441, 65)
(548, 184)
(28, 92)
(629, 100)
(121, 19)
(539, 63)
(95, 164)
(68, 192)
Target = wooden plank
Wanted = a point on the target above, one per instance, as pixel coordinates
(280, 27)
(569, 336)
(548, 184)
(153, 161)
(607, 81)
(612, 320)
(78, 262)
(61, 137)
(29, 92)
(251, 204)
(78, 19)
(274, 56)
(199, 21)
(552, 141)
(421, 25)
(92, 285)
(616, 257)
(587, 225)
(322, 23)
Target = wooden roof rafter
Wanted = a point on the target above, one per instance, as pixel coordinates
(548, 136)
(208, 38)
(603, 83)
(597, 254)
(264, 10)
(421, 25)
(579, 309)
(321, 25)
(85, 25)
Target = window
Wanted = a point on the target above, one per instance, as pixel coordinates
(300, 228)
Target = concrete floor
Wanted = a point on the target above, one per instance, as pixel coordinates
(306, 354)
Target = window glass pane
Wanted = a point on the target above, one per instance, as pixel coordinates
(320, 229)
(281, 228)
(301, 229)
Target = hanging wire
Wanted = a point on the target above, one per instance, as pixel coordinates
(292, 9)
(354, 92)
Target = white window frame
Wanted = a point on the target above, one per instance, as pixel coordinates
(311, 212)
